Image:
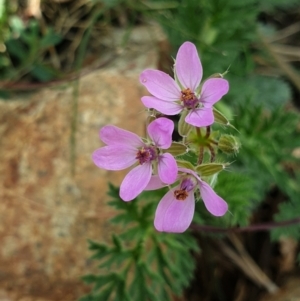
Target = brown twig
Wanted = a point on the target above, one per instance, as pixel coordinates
(13, 86)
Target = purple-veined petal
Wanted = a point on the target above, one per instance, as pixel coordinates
(173, 215)
(160, 85)
(113, 157)
(155, 183)
(160, 131)
(200, 117)
(167, 168)
(113, 135)
(213, 90)
(188, 67)
(213, 203)
(135, 182)
(165, 107)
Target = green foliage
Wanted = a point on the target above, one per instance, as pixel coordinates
(268, 138)
(267, 92)
(221, 29)
(33, 51)
(25, 46)
(139, 264)
(237, 189)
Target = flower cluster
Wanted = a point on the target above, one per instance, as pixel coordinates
(155, 158)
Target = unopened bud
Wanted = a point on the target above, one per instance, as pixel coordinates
(216, 75)
(185, 164)
(183, 127)
(229, 144)
(209, 169)
(219, 75)
(177, 149)
(220, 118)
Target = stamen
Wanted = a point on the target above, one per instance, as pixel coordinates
(180, 195)
(188, 184)
(189, 98)
(146, 154)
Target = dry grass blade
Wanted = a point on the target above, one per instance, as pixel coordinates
(286, 68)
(244, 261)
(287, 50)
(285, 32)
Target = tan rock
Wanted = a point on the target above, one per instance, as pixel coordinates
(47, 213)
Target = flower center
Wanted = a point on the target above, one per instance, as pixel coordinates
(187, 184)
(146, 154)
(180, 194)
(189, 98)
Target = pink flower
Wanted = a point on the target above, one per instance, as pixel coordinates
(171, 96)
(125, 149)
(175, 211)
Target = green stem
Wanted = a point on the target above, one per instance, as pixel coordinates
(198, 132)
(212, 153)
(207, 132)
(201, 155)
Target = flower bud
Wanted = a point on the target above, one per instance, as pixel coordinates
(216, 75)
(219, 75)
(183, 127)
(229, 144)
(205, 170)
(185, 164)
(177, 149)
(220, 118)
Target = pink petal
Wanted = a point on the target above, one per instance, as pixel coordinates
(213, 203)
(188, 67)
(113, 157)
(172, 215)
(160, 85)
(167, 168)
(160, 131)
(213, 90)
(200, 117)
(135, 182)
(155, 183)
(165, 107)
(113, 135)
